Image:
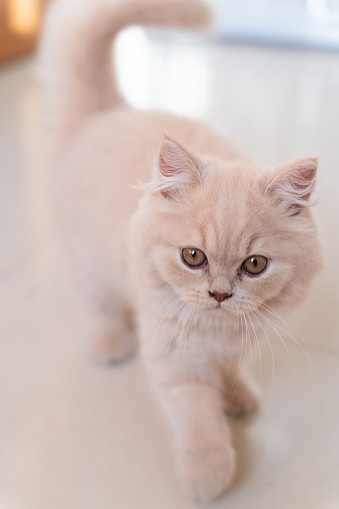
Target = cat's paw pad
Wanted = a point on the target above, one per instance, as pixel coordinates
(244, 398)
(108, 347)
(206, 473)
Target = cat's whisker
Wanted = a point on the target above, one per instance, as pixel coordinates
(270, 310)
(176, 311)
(195, 328)
(156, 320)
(274, 328)
(159, 320)
(249, 342)
(258, 343)
(187, 332)
(303, 345)
(183, 328)
(180, 319)
(254, 311)
(165, 324)
(304, 350)
(279, 317)
(179, 336)
(236, 378)
(235, 343)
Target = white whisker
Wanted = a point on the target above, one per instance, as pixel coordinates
(185, 321)
(273, 327)
(254, 311)
(235, 343)
(176, 311)
(249, 341)
(235, 380)
(258, 344)
(170, 306)
(304, 348)
(187, 331)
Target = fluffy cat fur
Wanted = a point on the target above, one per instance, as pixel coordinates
(127, 248)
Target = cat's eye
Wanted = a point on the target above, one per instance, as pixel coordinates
(254, 265)
(193, 257)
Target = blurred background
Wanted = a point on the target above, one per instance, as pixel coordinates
(76, 435)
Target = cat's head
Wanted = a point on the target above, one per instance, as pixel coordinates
(227, 236)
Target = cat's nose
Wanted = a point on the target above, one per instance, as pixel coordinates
(220, 297)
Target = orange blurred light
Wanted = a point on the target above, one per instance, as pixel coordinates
(24, 16)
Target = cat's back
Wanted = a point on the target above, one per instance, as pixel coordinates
(115, 151)
(101, 165)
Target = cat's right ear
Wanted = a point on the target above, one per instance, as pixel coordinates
(177, 172)
(293, 184)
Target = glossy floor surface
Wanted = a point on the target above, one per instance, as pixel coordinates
(74, 435)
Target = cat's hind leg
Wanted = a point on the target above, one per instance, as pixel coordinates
(242, 394)
(108, 322)
(112, 339)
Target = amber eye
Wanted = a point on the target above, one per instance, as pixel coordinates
(254, 265)
(193, 257)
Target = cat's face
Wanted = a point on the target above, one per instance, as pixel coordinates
(232, 236)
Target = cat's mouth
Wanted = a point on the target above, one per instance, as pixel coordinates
(221, 307)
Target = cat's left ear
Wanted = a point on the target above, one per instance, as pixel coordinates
(177, 171)
(293, 184)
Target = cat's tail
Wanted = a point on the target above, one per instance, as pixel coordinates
(75, 56)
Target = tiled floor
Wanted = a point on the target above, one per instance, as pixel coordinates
(77, 436)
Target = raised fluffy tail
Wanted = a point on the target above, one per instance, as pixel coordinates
(76, 47)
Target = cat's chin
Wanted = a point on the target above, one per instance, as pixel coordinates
(227, 311)
(219, 310)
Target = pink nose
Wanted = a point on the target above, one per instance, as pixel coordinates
(220, 297)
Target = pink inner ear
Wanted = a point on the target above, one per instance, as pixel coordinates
(304, 183)
(169, 162)
(177, 171)
(173, 160)
(294, 184)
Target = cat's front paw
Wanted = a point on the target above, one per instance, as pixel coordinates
(206, 471)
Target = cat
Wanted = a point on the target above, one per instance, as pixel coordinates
(194, 262)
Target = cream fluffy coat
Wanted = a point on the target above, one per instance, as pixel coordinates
(126, 244)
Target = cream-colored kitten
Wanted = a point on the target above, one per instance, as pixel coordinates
(214, 245)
